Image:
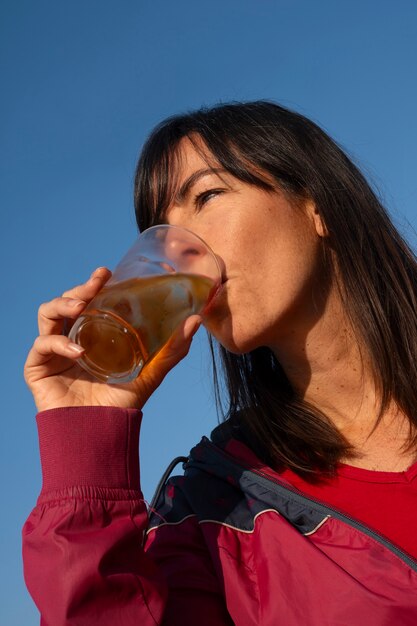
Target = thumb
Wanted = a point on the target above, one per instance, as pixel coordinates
(170, 355)
(179, 344)
(181, 339)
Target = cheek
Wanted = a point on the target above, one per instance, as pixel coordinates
(276, 285)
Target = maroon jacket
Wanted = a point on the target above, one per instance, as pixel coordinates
(227, 543)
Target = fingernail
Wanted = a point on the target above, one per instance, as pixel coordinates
(94, 279)
(97, 270)
(74, 347)
(74, 302)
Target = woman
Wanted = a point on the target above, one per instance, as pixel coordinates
(299, 509)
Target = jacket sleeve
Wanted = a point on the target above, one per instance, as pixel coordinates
(83, 544)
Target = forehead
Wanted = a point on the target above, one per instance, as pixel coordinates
(191, 155)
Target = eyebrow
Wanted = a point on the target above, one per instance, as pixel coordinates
(191, 180)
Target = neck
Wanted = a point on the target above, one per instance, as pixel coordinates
(328, 369)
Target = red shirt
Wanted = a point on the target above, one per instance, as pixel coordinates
(384, 501)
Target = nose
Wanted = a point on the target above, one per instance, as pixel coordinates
(175, 217)
(188, 253)
(182, 250)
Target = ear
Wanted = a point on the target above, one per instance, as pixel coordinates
(313, 212)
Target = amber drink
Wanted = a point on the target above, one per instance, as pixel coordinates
(131, 319)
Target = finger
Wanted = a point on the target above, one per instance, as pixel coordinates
(60, 313)
(173, 352)
(88, 290)
(180, 342)
(46, 347)
(52, 315)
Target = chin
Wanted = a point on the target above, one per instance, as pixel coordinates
(235, 343)
(235, 337)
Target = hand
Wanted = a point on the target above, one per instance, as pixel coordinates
(54, 376)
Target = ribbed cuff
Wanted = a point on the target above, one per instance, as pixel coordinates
(89, 446)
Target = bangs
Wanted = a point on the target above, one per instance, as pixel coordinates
(159, 168)
(156, 180)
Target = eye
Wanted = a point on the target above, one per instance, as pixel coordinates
(203, 197)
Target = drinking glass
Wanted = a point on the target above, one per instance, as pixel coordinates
(166, 276)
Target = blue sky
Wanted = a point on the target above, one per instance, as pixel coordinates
(82, 85)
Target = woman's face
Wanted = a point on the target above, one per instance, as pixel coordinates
(269, 251)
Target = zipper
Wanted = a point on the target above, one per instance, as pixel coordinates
(319, 506)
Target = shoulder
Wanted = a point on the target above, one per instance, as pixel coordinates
(227, 489)
(209, 489)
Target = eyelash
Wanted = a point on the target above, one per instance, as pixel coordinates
(203, 197)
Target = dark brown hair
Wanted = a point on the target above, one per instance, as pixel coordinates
(376, 268)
